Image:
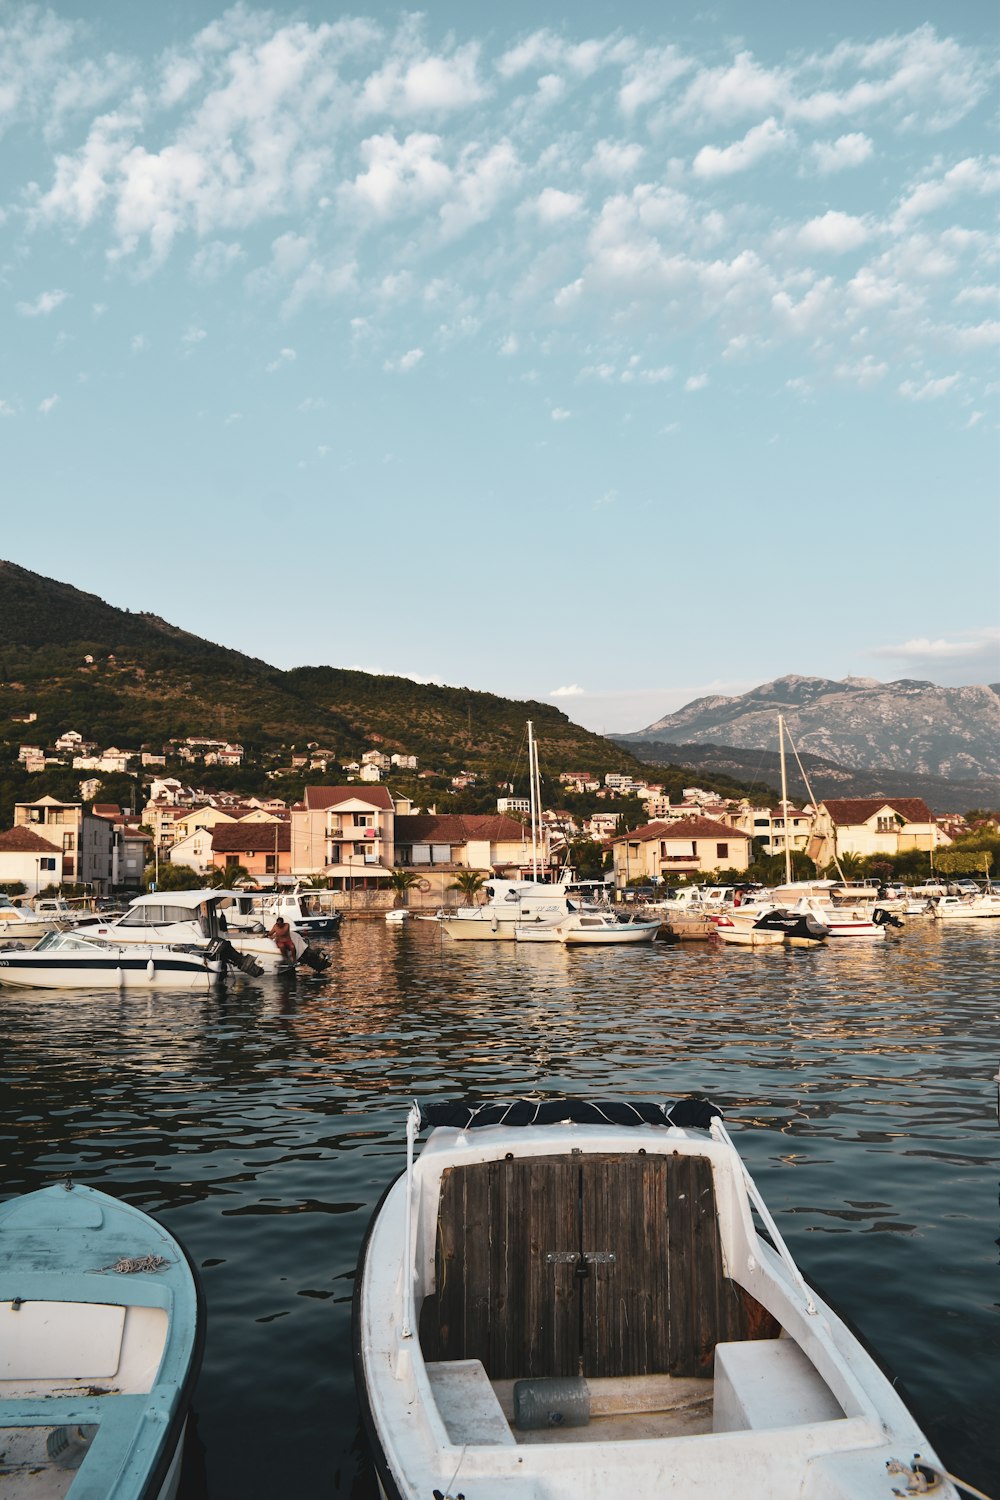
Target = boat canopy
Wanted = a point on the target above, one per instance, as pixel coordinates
(463, 1114)
(192, 899)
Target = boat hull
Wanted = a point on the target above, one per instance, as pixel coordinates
(118, 971)
(104, 1330)
(807, 1413)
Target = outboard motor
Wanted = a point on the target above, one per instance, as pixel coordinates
(224, 951)
(314, 959)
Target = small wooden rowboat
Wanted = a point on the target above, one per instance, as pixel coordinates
(101, 1332)
(569, 1299)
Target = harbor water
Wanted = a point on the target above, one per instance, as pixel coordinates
(262, 1121)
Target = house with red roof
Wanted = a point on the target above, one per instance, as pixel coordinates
(28, 858)
(263, 849)
(873, 825)
(689, 846)
(345, 833)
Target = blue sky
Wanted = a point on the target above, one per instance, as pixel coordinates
(604, 355)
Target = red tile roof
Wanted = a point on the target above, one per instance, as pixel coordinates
(318, 798)
(686, 828)
(106, 810)
(251, 838)
(23, 840)
(848, 811)
(457, 828)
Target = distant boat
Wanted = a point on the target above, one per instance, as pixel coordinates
(569, 1298)
(397, 916)
(584, 928)
(19, 924)
(967, 908)
(103, 1326)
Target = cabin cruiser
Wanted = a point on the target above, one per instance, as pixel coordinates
(508, 903)
(967, 908)
(197, 917)
(264, 907)
(569, 1298)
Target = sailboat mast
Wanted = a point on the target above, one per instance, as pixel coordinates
(533, 803)
(784, 800)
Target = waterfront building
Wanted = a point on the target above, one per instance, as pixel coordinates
(873, 825)
(690, 846)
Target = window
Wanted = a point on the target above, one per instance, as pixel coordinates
(67, 841)
(364, 820)
(269, 866)
(142, 916)
(722, 851)
(47, 864)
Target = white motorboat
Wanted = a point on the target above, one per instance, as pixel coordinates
(397, 916)
(569, 1299)
(984, 907)
(75, 960)
(299, 909)
(19, 924)
(508, 904)
(198, 918)
(103, 1329)
(588, 926)
(747, 930)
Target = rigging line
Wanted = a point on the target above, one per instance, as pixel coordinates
(812, 799)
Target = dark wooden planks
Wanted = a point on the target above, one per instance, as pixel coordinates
(654, 1300)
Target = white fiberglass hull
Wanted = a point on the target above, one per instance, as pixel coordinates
(749, 937)
(806, 1414)
(120, 969)
(621, 933)
(260, 947)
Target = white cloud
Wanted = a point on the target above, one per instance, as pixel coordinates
(283, 358)
(400, 177)
(48, 404)
(553, 205)
(43, 305)
(696, 382)
(405, 362)
(137, 343)
(834, 232)
(969, 645)
(649, 77)
(212, 261)
(846, 151)
(194, 335)
(614, 159)
(573, 690)
(509, 346)
(865, 372)
(930, 390)
(6, 410)
(560, 414)
(425, 86)
(760, 141)
(975, 418)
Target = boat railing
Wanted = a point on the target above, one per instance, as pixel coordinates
(719, 1131)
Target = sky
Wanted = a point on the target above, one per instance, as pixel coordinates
(610, 356)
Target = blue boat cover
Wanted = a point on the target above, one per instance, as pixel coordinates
(468, 1114)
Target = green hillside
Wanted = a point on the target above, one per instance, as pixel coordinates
(149, 682)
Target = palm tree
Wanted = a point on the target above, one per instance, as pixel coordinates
(229, 877)
(402, 881)
(470, 883)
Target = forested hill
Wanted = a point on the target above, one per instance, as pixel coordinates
(149, 682)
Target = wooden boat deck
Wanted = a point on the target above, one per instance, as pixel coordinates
(610, 1266)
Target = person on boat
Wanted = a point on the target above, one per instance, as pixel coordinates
(281, 935)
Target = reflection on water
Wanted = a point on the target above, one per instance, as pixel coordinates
(262, 1123)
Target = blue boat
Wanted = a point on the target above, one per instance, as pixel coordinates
(101, 1334)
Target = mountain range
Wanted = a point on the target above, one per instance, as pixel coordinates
(906, 727)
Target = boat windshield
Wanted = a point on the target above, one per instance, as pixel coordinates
(64, 940)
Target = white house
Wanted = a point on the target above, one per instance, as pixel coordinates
(27, 857)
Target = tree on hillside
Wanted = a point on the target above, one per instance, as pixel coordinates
(470, 883)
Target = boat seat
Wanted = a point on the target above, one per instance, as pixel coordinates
(765, 1383)
(468, 1404)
